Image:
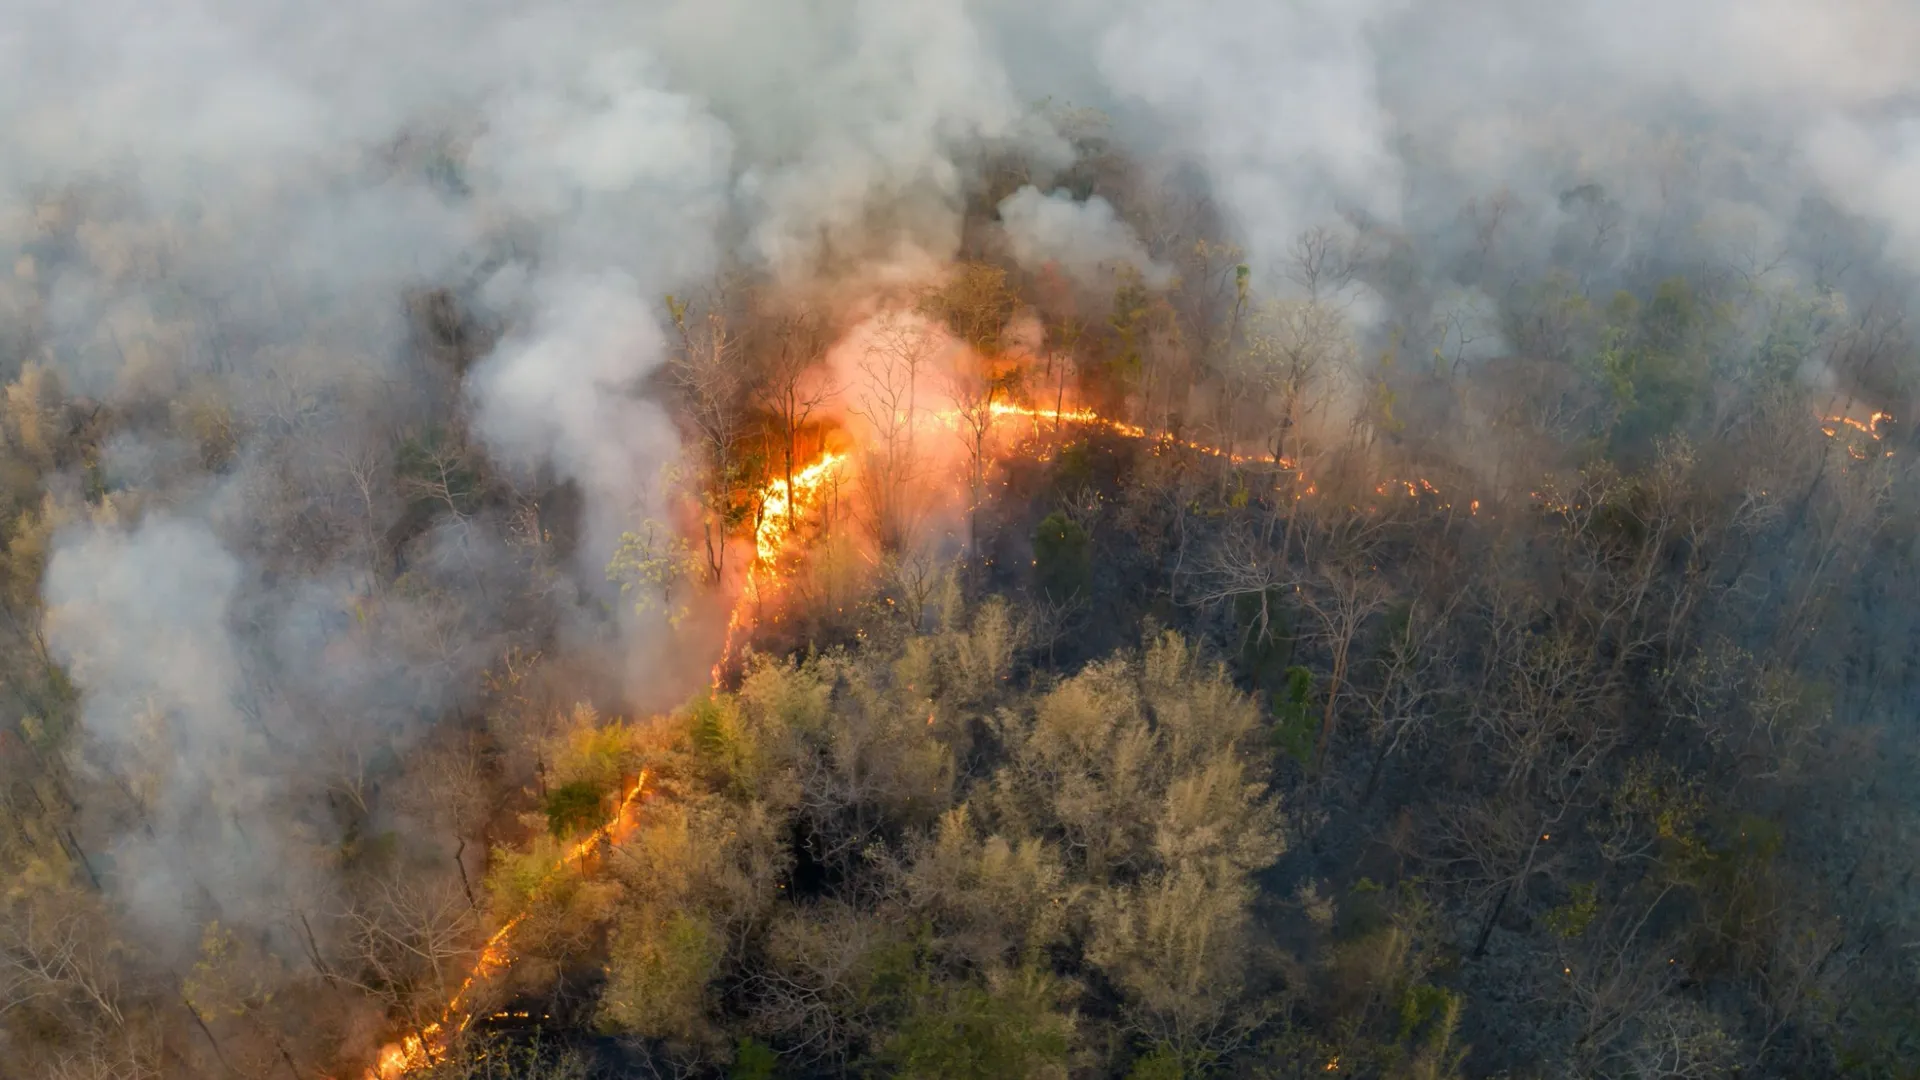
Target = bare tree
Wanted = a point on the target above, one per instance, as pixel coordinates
(974, 394)
(60, 953)
(706, 370)
(439, 467)
(1324, 263)
(1409, 674)
(1241, 566)
(410, 942)
(1342, 601)
(792, 388)
(365, 464)
(895, 360)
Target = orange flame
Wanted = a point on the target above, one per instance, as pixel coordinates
(778, 509)
(1089, 417)
(427, 1046)
(1414, 488)
(1870, 427)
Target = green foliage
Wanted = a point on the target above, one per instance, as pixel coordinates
(1885, 1043)
(1381, 398)
(575, 806)
(363, 851)
(436, 470)
(515, 879)
(1265, 635)
(1571, 919)
(1166, 1062)
(714, 726)
(974, 304)
(1073, 467)
(1295, 721)
(654, 567)
(1366, 910)
(226, 979)
(506, 1058)
(585, 748)
(982, 1032)
(1652, 363)
(1130, 320)
(1422, 1005)
(1062, 554)
(753, 1060)
(658, 968)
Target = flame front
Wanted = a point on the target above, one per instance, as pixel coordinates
(780, 509)
(1870, 427)
(430, 1043)
(1090, 418)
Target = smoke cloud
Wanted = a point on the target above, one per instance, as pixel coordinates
(238, 193)
(141, 620)
(1085, 239)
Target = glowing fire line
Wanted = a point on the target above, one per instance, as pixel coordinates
(430, 1043)
(1089, 417)
(779, 506)
(1831, 426)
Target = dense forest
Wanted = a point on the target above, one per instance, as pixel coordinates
(483, 601)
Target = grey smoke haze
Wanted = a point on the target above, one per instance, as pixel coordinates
(259, 173)
(141, 620)
(1086, 239)
(565, 393)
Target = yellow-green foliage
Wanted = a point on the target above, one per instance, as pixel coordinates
(229, 978)
(516, 878)
(1144, 763)
(1012, 1026)
(1178, 946)
(658, 967)
(1124, 820)
(993, 900)
(1572, 918)
(785, 697)
(594, 753)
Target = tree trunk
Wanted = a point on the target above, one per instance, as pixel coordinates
(1333, 696)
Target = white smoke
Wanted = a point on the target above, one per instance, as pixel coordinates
(140, 619)
(194, 188)
(1086, 239)
(566, 392)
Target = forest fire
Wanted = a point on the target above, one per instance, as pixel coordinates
(1103, 508)
(1092, 418)
(781, 508)
(427, 1046)
(1832, 427)
(1414, 488)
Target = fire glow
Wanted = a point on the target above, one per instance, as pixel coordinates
(1870, 427)
(1090, 418)
(781, 509)
(427, 1046)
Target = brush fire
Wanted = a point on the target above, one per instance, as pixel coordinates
(848, 539)
(787, 514)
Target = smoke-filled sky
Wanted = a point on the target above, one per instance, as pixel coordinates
(264, 178)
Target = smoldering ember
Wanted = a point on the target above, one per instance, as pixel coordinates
(1153, 539)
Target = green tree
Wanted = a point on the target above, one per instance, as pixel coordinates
(1062, 554)
(575, 805)
(1012, 1027)
(1294, 723)
(653, 566)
